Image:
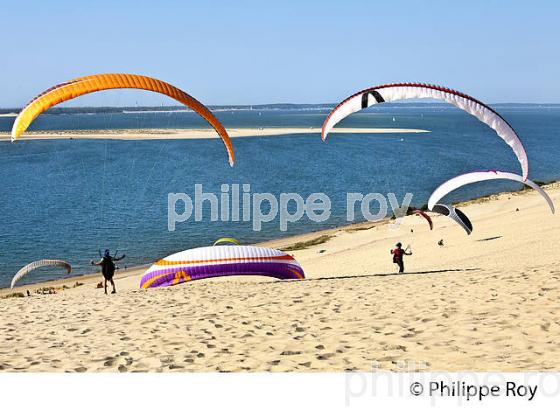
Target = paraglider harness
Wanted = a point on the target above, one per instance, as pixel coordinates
(107, 264)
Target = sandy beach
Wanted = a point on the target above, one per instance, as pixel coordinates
(198, 133)
(483, 302)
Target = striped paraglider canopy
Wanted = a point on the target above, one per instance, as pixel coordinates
(217, 261)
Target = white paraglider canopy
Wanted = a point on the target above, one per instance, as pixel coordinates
(396, 92)
(479, 176)
(38, 264)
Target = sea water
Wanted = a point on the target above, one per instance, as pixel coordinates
(70, 198)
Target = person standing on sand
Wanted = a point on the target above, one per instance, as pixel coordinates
(107, 264)
(398, 254)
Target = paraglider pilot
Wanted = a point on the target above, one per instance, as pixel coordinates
(107, 264)
(398, 254)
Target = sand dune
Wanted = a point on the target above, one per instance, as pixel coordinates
(484, 302)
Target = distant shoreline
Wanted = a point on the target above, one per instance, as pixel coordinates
(197, 133)
(263, 107)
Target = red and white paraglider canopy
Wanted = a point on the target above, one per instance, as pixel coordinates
(395, 92)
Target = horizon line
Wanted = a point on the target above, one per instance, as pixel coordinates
(272, 104)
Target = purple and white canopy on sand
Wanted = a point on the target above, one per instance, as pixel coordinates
(215, 261)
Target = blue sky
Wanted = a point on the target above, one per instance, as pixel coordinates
(251, 52)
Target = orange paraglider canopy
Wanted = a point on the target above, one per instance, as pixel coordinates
(89, 84)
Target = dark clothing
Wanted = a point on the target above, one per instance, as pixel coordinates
(107, 267)
(107, 264)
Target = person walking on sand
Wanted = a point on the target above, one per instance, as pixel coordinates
(107, 264)
(398, 254)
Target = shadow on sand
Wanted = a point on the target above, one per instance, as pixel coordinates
(427, 272)
(488, 239)
(374, 275)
